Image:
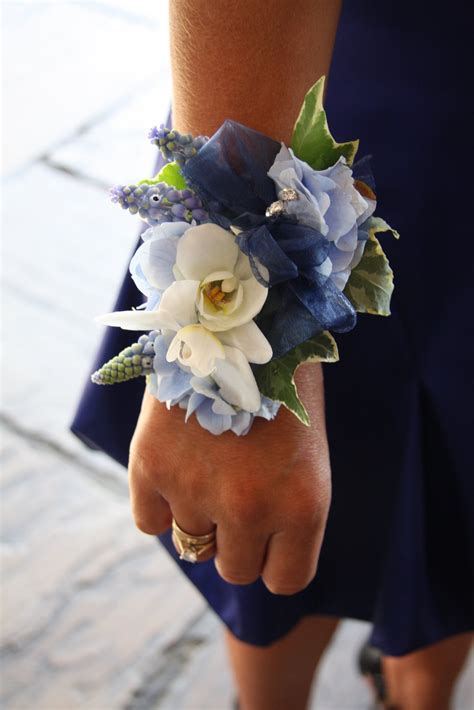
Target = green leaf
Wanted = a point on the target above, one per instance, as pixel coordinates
(171, 174)
(312, 140)
(276, 379)
(370, 284)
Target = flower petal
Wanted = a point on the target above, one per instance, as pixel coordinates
(195, 401)
(340, 278)
(197, 348)
(358, 254)
(166, 229)
(209, 312)
(340, 216)
(371, 205)
(215, 423)
(205, 386)
(242, 423)
(217, 276)
(208, 388)
(179, 301)
(340, 259)
(348, 242)
(174, 386)
(161, 365)
(131, 320)
(325, 268)
(242, 269)
(269, 408)
(205, 249)
(236, 380)
(254, 296)
(153, 263)
(250, 340)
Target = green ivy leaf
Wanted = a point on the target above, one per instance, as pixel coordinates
(370, 284)
(171, 174)
(276, 379)
(312, 140)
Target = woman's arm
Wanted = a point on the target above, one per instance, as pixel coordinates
(251, 60)
(267, 492)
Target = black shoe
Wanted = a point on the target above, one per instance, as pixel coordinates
(370, 666)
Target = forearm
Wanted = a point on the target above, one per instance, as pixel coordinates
(251, 60)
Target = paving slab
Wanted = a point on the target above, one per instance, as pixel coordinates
(68, 64)
(90, 606)
(116, 150)
(60, 270)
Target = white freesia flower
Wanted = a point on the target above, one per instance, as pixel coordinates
(207, 314)
(215, 287)
(194, 346)
(229, 295)
(236, 381)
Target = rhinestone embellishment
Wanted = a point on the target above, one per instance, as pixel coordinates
(288, 194)
(188, 556)
(277, 208)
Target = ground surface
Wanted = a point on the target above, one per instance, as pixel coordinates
(94, 614)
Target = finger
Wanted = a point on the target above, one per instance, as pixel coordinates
(194, 522)
(151, 512)
(292, 559)
(240, 554)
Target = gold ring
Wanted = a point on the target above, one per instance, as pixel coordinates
(191, 547)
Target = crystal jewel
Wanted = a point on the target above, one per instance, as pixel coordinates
(274, 209)
(277, 208)
(288, 194)
(188, 556)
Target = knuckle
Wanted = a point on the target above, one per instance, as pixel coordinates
(310, 509)
(138, 460)
(246, 512)
(233, 577)
(149, 527)
(207, 556)
(286, 588)
(145, 471)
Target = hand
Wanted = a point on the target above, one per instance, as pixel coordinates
(268, 492)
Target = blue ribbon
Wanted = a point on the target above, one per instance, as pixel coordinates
(231, 170)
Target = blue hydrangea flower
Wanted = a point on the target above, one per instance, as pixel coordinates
(152, 264)
(329, 202)
(172, 383)
(216, 415)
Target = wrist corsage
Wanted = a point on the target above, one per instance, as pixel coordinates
(256, 253)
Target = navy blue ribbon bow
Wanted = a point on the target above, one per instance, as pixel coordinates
(231, 170)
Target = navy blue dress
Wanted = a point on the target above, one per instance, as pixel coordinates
(399, 544)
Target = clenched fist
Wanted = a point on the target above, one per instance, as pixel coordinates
(267, 493)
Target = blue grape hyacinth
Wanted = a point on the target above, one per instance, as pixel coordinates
(159, 202)
(174, 145)
(134, 361)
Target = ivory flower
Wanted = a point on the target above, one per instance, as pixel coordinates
(228, 293)
(214, 287)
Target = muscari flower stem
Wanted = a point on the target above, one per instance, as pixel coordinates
(134, 361)
(174, 145)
